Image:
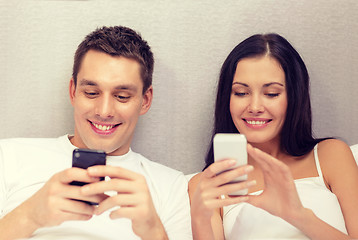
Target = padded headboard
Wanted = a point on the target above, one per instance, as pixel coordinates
(190, 41)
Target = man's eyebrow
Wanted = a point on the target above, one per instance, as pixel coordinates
(85, 82)
(130, 87)
(126, 87)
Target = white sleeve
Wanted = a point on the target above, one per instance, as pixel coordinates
(176, 216)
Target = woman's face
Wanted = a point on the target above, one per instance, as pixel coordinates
(258, 101)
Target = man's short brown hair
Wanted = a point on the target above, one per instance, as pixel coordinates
(117, 41)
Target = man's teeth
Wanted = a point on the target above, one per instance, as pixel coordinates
(256, 122)
(103, 128)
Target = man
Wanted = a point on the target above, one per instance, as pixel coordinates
(110, 88)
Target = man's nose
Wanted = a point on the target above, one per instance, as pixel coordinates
(105, 106)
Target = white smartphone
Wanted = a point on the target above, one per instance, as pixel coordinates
(233, 146)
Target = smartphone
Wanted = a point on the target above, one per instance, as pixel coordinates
(85, 158)
(233, 146)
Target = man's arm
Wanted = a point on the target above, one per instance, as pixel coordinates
(50, 206)
(175, 210)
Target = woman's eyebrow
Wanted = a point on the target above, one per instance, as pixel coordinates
(273, 83)
(265, 85)
(240, 83)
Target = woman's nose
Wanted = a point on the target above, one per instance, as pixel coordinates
(256, 105)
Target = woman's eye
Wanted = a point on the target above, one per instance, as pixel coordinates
(241, 94)
(272, 95)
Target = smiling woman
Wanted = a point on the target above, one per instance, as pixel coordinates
(259, 99)
(296, 187)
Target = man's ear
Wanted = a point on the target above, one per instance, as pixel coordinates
(72, 90)
(147, 100)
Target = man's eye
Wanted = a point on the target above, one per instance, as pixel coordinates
(122, 97)
(91, 94)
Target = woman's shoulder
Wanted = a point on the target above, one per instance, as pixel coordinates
(333, 149)
(336, 159)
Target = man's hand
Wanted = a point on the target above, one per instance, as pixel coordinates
(51, 205)
(133, 199)
(54, 203)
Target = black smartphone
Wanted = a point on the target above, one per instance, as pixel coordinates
(85, 158)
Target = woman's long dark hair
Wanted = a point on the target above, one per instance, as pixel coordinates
(296, 134)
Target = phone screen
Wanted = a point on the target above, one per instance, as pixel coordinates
(85, 158)
(233, 146)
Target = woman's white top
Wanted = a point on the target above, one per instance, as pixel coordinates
(244, 221)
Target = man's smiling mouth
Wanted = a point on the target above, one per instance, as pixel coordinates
(104, 127)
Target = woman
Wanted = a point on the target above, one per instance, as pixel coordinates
(299, 187)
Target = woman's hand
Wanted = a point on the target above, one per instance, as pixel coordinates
(206, 190)
(210, 186)
(279, 196)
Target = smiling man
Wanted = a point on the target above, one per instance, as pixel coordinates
(110, 88)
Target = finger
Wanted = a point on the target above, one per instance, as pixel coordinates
(74, 192)
(255, 154)
(218, 167)
(121, 200)
(236, 174)
(75, 174)
(68, 216)
(123, 212)
(222, 202)
(131, 213)
(231, 188)
(78, 217)
(93, 198)
(112, 172)
(228, 189)
(270, 165)
(117, 185)
(265, 160)
(75, 207)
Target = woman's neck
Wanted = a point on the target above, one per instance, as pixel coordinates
(272, 147)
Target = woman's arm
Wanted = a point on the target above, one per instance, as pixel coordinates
(206, 223)
(205, 190)
(341, 173)
(280, 198)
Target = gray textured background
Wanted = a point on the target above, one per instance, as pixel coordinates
(190, 40)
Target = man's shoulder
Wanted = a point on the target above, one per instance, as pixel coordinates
(28, 144)
(28, 141)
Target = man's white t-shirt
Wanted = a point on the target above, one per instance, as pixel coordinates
(26, 164)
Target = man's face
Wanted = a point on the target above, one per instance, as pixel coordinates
(107, 102)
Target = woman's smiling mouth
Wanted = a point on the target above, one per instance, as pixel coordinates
(256, 123)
